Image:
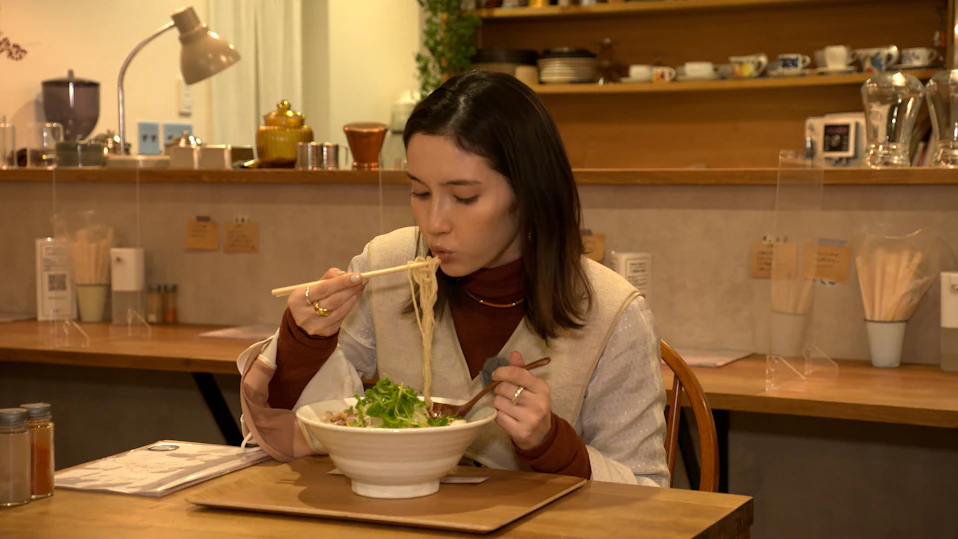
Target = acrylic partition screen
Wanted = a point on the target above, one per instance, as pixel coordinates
(792, 357)
(99, 232)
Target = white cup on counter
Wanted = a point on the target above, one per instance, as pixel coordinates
(838, 56)
(699, 70)
(640, 72)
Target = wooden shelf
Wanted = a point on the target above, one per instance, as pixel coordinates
(627, 8)
(280, 176)
(584, 176)
(717, 85)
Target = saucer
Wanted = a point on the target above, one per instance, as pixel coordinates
(690, 78)
(630, 80)
(835, 70)
(911, 66)
(790, 73)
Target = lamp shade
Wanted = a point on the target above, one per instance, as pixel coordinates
(203, 53)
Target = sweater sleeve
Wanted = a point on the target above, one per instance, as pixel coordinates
(299, 356)
(561, 452)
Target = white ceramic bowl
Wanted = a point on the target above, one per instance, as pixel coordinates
(392, 463)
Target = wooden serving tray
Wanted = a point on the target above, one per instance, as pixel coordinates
(305, 487)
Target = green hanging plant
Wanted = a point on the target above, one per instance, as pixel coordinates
(448, 38)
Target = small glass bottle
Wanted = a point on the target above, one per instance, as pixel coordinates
(169, 304)
(154, 305)
(40, 426)
(14, 457)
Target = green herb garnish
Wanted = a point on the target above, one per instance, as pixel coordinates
(389, 406)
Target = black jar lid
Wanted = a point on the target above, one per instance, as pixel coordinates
(13, 417)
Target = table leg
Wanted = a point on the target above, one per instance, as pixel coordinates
(721, 430)
(218, 407)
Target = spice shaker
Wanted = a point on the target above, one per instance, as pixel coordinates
(14, 457)
(40, 427)
(154, 309)
(169, 304)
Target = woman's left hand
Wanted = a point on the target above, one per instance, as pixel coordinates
(528, 420)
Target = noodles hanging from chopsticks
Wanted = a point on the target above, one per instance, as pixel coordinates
(425, 277)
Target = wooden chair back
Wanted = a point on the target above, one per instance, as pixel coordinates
(684, 380)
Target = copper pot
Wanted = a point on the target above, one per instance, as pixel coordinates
(365, 143)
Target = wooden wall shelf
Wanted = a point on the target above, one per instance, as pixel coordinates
(716, 85)
(584, 176)
(628, 8)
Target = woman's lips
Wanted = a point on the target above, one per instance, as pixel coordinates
(442, 254)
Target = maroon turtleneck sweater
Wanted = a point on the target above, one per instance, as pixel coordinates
(482, 332)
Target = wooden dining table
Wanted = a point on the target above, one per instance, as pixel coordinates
(911, 394)
(597, 509)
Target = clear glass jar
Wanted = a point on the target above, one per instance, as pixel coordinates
(154, 305)
(40, 427)
(942, 92)
(891, 100)
(14, 457)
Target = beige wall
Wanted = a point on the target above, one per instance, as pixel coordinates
(810, 478)
(93, 37)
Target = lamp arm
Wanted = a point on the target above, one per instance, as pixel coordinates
(119, 82)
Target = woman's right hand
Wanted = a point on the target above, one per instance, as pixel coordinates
(337, 294)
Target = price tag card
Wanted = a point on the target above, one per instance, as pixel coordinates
(202, 234)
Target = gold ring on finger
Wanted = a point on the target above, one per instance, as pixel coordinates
(515, 398)
(321, 311)
(308, 301)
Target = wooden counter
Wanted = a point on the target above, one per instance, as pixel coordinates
(911, 394)
(583, 176)
(595, 510)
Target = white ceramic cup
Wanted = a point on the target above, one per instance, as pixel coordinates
(918, 56)
(750, 65)
(791, 62)
(885, 340)
(641, 72)
(838, 56)
(699, 70)
(663, 74)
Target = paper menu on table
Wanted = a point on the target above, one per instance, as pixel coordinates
(159, 469)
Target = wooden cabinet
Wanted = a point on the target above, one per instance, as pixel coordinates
(713, 124)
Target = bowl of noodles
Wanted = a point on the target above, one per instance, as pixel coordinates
(387, 444)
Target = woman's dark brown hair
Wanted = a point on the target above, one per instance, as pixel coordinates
(497, 117)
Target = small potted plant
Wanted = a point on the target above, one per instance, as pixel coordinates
(447, 38)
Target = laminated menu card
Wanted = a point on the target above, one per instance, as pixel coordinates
(159, 469)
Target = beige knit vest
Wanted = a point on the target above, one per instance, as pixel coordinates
(399, 344)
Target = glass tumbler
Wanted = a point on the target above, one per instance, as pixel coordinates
(42, 139)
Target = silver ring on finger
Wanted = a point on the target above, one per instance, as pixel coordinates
(515, 398)
(309, 301)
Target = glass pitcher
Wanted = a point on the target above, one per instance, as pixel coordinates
(891, 100)
(942, 92)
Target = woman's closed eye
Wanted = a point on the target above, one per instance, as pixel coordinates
(421, 195)
(465, 201)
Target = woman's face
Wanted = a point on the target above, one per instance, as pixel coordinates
(462, 206)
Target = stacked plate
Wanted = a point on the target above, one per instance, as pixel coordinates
(567, 65)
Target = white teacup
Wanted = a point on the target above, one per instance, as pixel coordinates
(749, 66)
(793, 62)
(838, 56)
(918, 56)
(699, 70)
(640, 72)
(663, 74)
(877, 59)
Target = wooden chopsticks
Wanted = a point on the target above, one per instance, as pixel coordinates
(287, 290)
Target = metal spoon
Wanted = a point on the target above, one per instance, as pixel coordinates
(439, 409)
